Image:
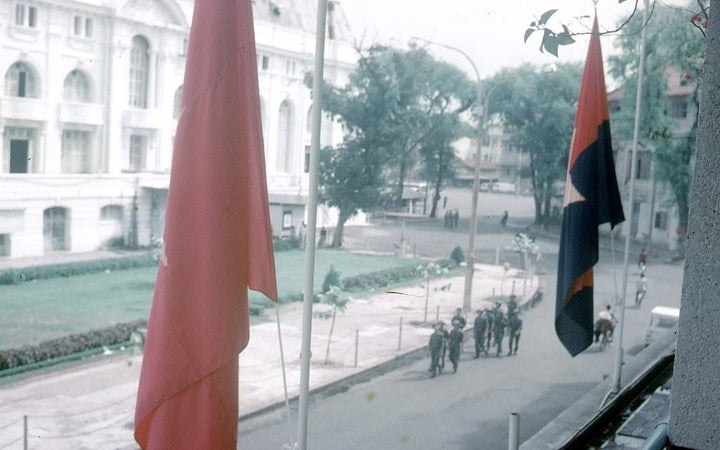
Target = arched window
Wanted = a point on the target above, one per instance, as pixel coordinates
(139, 68)
(177, 103)
(284, 145)
(19, 81)
(55, 229)
(76, 87)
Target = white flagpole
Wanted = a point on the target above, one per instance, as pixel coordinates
(617, 373)
(311, 226)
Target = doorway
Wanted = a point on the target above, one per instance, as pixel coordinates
(19, 153)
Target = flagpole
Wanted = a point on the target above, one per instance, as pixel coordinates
(617, 372)
(312, 226)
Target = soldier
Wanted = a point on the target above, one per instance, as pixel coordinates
(443, 349)
(490, 316)
(454, 342)
(499, 326)
(435, 345)
(514, 329)
(458, 317)
(479, 332)
(512, 305)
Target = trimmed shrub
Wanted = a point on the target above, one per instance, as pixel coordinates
(281, 245)
(17, 275)
(332, 278)
(457, 255)
(68, 345)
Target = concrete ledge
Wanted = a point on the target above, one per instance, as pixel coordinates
(584, 420)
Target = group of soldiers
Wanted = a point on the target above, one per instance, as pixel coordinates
(489, 330)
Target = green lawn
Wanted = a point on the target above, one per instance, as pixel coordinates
(46, 309)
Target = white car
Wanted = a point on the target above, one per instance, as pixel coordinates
(663, 319)
(504, 187)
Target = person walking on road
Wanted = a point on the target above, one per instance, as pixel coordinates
(435, 345)
(458, 318)
(641, 287)
(499, 325)
(490, 316)
(512, 305)
(504, 219)
(443, 349)
(514, 330)
(479, 333)
(454, 342)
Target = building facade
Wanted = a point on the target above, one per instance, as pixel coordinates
(655, 219)
(90, 94)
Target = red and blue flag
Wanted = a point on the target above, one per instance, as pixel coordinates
(591, 198)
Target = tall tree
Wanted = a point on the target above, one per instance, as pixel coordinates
(675, 45)
(395, 105)
(538, 109)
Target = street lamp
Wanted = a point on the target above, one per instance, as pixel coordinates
(481, 107)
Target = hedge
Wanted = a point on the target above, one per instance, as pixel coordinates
(150, 258)
(385, 278)
(68, 345)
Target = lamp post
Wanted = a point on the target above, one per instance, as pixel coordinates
(481, 105)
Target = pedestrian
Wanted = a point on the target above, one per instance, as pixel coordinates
(456, 218)
(447, 219)
(514, 330)
(323, 237)
(500, 324)
(641, 287)
(504, 219)
(458, 318)
(443, 349)
(512, 305)
(490, 316)
(435, 345)
(303, 235)
(479, 333)
(454, 342)
(445, 202)
(642, 260)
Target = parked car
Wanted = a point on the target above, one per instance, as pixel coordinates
(504, 187)
(663, 319)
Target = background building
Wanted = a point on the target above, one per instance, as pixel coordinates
(91, 94)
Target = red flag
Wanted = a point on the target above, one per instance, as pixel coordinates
(591, 198)
(217, 242)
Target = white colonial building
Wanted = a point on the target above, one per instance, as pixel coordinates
(90, 93)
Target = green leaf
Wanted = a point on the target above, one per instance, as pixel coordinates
(528, 32)
(551, 44)
(565, 39)
(546, 16)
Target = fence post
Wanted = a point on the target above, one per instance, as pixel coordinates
(25, 432)
(357, 341)
(437, 314)
(514, 432)
(513, 288)
(400, 335)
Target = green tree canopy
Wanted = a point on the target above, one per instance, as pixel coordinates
(538, 111)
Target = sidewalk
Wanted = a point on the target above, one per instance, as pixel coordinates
(91, 406)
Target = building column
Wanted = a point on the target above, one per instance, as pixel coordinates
(695, 396)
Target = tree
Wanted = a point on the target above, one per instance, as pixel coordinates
(538, 110)
(395, 105)
(350, 179)
(337, 301)
(673, 46)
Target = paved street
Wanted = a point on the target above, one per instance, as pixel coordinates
(469, 410)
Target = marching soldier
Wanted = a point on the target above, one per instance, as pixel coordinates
(436, 346)
(454, 342)
(499, 327)
(479, 332)
(514, 329)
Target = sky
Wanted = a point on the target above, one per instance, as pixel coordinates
(490, 31)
